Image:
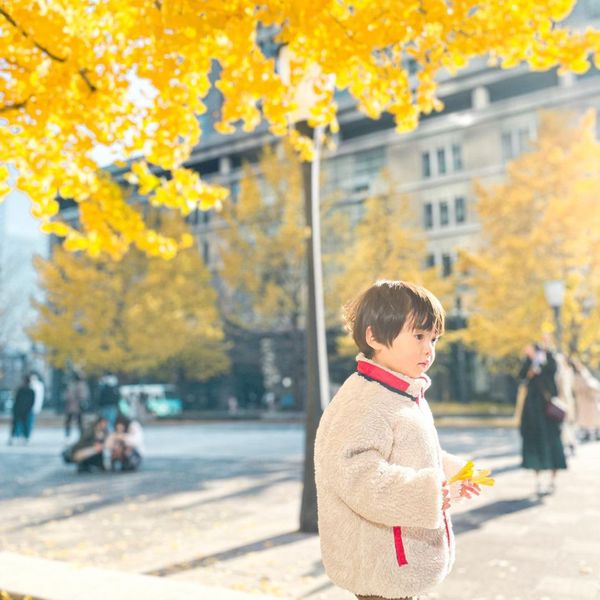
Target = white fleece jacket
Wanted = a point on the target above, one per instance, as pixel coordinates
(379, 471)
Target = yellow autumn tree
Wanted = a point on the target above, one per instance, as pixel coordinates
(133, 77)
(262, 252)
(542, 224)
(262, 248)
(131, 316)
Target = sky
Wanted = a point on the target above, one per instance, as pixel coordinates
(20, 239)
(19, 221)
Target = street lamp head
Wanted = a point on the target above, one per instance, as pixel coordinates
(555, 292)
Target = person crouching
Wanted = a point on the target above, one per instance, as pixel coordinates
(125, 444)
(87, 452)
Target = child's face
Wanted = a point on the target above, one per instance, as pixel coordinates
(412, 352)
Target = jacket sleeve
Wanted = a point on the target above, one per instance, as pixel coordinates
(134, 437)
(522, 376)
(452, 464)
(549, 372)
(354, 464)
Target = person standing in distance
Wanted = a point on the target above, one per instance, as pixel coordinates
(37, 385)
(21, 411)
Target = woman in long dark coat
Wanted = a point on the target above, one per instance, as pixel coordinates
(542, 445)
(21, 410)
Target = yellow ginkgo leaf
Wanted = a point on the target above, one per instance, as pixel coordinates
(465, 473)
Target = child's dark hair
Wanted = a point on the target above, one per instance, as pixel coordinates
(123, 420)
(386, 307)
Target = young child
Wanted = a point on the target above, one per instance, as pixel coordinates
(125, 444)
(380, 473)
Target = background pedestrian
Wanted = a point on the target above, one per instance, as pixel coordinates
(21, 411)
(587, 396)
(542, 448)
(108, 399)
(565, 380)
(76, 399)
(37, 385)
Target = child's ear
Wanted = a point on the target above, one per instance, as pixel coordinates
(369, 335)
(371, 340)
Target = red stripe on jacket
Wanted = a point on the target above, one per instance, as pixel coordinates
(400, 554)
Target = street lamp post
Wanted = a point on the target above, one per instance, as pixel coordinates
(555, 295)
(317, 371)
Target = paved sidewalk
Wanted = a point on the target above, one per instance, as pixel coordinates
(53, 580)
(213, 507)
(511, 545)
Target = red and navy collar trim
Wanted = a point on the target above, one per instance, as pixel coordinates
(388, 380)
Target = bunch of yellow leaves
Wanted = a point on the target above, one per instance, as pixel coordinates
(478, 476)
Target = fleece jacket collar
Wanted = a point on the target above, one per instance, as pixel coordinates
(413, 388)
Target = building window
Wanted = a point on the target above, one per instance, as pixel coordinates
(353, 173)
(515, 142)
(446, 265)
(444, 220)
(457, 161)
(430, 261)
(338, 173)
(234, 191)
(429, 216)
(364, 169)
(523, 140)
(441, 160)
(460, 209)
(507, 152)
(426, 164)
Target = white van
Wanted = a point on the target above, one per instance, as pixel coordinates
(158, 399)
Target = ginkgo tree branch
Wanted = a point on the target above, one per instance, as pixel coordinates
(24, 33)
(15, 106)
(44, 50)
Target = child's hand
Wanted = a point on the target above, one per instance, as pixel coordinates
(445, 497)
(468, 489)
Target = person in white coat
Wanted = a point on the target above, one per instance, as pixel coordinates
(587, 396)
(37, 385)
(565, 381)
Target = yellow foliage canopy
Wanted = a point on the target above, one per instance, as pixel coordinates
(133, 75)
(542, 224)
(130, 316)
(262, 249)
